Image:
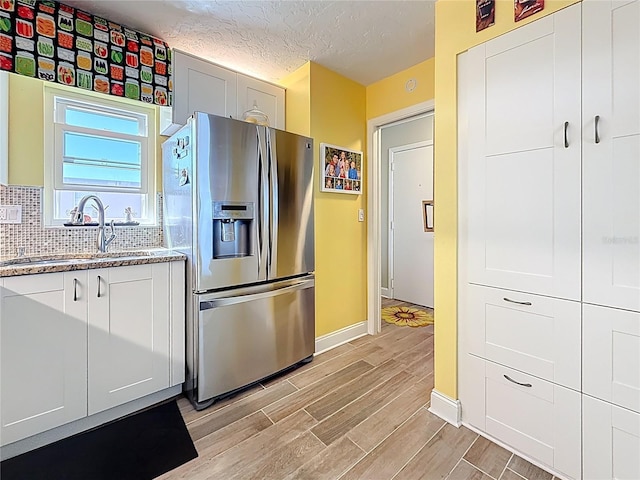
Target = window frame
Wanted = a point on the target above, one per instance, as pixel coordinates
(56, 100)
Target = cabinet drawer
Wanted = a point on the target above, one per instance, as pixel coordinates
(611, 360)
(611, 441)
(28, 284)
(536, 335)
(538, 418)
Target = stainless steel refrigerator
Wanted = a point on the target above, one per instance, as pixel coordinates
(238, 201)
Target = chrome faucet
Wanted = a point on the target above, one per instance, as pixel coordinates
(102, 242)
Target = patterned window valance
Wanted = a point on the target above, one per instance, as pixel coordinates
(58, 43)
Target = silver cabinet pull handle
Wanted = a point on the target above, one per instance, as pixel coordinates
(514, 301)
(566, 135)
(597, 134)
(99, 280)
(528, 385)
(75, 289)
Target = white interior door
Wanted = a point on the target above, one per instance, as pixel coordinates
(411, 182)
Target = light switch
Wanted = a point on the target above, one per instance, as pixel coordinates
(361, 215)
(10, 213)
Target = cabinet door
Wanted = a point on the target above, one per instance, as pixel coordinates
(611, 441)
(128, 334)
(534, 334)
(524, 163)
(201, 86)
(611, 355)
(538, 418)
(43, 353)
(264, 96)
(611, 169)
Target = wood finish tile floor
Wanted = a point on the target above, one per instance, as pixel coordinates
(358, 411)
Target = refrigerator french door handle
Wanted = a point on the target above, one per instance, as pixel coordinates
(274, 206)
(263, 203)
(226, 301)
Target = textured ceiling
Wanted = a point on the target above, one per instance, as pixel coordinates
(362, 40)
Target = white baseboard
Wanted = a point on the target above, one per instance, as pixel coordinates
(344, 335)
(384, 292)
(446, 408)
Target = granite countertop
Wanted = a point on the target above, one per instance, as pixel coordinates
(83, 261)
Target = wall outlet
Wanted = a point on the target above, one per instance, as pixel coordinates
(10, 213)
(361, 215)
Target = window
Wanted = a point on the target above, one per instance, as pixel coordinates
(100, 146)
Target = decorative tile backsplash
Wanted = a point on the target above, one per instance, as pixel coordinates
(38, 240)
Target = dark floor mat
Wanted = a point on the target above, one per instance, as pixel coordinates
(141, 446)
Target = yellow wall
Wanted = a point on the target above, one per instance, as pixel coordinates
(455, 33)
(298, 101)
(335, 115)
(389, 94)
(26, 130)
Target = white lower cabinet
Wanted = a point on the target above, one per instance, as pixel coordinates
(611, 355)
(531, 333)
(77, 343)
(539, 419)
(43, 353)
(611, 441)
(128, 334)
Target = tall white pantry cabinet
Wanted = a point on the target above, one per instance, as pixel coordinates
(549, 225)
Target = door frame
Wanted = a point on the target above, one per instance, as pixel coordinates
(390, 238)
(373, 206)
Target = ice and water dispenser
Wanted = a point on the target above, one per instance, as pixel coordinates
(232, 229)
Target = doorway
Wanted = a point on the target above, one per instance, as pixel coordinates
(410, 252)
(378, 197)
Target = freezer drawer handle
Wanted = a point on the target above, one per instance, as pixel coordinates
(516, 302)
(517, 383)
(223, 302)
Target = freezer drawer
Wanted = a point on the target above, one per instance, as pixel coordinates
(247, 334)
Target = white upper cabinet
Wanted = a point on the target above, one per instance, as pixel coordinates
(524, 158)
(611, 153)
(202, 86)
(267, 98)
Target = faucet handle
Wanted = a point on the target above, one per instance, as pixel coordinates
(112, 236)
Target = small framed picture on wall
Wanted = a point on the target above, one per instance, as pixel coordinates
(485, 14)
(340, 169)
(525, 8)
